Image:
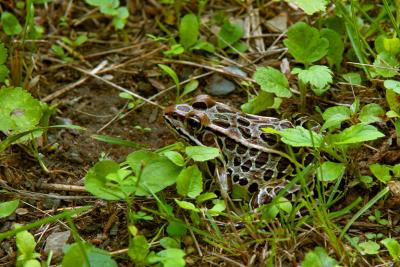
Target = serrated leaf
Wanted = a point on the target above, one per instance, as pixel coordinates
(138, 249)
(190, 182)
(318, 257)
(229, 34)
(205, 196)
(96, 181)
(156, 176)
(186, 205)
(301, 137)
(310, 6)
(8, 207)
(392, 85)
(188, 30)
(4, 72)
(305, 44)
(356, 134)
(382, 172)
(272, 81)
(259, 103)
(369, 247)
(352, 78)
(219, 206)
(175, 157)
(386, 65)
(371, 113)
(201, 153)
(10, 23)
(318, 76)
(330, 171)
(336, 47)
(19, 111)
(334, 116)
(3, 54)
(393, 246)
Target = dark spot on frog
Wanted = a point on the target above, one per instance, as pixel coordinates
(243, 181)
(236, 178)
(270, 139)
(253, 187)
(241, 149)
(282, 165)
(245, 132)
(268, 175)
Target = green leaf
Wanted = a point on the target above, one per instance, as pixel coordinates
(58, 50)
(186, 205)
(352, 78)
(386, 65)
(74, 255)
(81, 39)
(4, 72)
(318, 76)
(310, 6)
(259, 103)
(369, 247)
(382, 172)
(201, 153)
(19, 111)
(175, 157)
(336, 47)
(10, 23)
(175, 49)
(205, 196)
(168, 242)
(8, 207)
(356, 134)
(229, 34)
(138, 249)
(392, 45)
(190, 87)
(156, 176)
(392, 85)
(188, 30)
(203, 45)
(301, 137)
(393, 247)
(330, 171)
(219, 206)
(171, 257)
(371, 113)
(318, 258)
(171, 73)
(334, 116)
(305, 44)
(25, 242)
(190, 182)
(176, 229)
(3, 54)
(272, 81)
(138, 159)
(99, 182)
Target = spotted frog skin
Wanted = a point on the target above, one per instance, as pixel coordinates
(252, 158)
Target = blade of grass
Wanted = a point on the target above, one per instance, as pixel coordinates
(370, 203)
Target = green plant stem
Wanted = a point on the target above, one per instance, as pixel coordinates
(375, 199)
(303, 92)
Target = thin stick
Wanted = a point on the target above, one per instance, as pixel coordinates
(71, 86)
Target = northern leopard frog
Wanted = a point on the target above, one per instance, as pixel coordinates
(252, 158)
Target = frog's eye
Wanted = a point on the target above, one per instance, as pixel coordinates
(203, 102)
